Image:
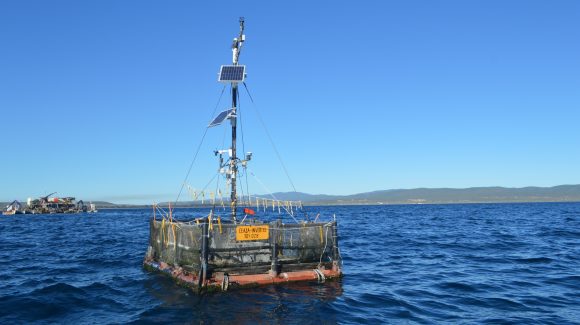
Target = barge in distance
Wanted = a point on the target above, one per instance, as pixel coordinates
(49, 205)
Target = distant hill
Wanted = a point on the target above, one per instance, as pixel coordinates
(105, 204)
(562, 193)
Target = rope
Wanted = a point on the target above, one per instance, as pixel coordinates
(217, 187)
(325, 244)
(270, 138)
(320, 276)
(272, 195)
(244, 152)
(198, 148)
(207, 185)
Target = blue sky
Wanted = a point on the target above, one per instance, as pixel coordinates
(108, 100)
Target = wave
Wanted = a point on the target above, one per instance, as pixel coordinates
(403, 264)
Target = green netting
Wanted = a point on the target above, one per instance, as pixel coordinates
(179, 244)
(175, 243)
(226, 251)
(308, 242)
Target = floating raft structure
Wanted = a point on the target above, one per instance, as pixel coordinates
(208, 254)
(49, 205)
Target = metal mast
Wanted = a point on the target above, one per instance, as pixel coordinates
(236, 48)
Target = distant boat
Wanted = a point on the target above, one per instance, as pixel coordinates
(92, 208)
(207, 252)
(14, 208)
(47, 205)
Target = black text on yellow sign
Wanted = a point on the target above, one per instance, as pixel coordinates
(253, 232)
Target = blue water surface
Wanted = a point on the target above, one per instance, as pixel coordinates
(425, 264)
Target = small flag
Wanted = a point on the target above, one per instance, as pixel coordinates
(249, 211)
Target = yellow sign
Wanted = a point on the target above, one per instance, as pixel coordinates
(252, 232)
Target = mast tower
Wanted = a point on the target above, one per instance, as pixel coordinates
(236, 48)
(233, 74)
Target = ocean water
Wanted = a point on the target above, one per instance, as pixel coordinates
(424, 264)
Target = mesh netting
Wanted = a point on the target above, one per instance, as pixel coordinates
(176, 243)
(297, 245)
(307, 243)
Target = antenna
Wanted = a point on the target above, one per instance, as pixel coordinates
(238, 42)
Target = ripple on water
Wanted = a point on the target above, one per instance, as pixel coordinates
(425, 264)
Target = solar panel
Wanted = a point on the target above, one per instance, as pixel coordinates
(232, 73)
(221, 117)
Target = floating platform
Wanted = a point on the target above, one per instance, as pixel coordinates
(210, 255)
(49, 205)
